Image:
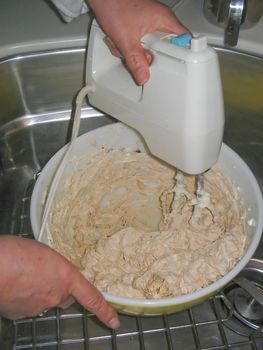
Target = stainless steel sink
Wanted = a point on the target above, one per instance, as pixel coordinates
(36, 91)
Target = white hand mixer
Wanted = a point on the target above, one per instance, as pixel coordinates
(179, 111)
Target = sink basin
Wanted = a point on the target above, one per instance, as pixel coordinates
(35, 102)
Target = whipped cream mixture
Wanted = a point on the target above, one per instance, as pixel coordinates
(119, 222)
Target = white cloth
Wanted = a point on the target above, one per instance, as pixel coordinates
(70, 9)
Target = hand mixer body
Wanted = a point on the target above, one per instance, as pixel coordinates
(179, 112)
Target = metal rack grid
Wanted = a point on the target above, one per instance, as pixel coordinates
(204, 326)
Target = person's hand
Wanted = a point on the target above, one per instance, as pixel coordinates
(126, 21)
(35, 278)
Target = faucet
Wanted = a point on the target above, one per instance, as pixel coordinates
(233, 15)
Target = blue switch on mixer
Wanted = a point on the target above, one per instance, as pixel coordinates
(182, 40)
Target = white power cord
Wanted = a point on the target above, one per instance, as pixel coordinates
(61, 166)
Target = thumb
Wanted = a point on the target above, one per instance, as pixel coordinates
(89, 297)
(137, 60)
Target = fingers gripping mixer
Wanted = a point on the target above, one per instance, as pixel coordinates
(179, 111)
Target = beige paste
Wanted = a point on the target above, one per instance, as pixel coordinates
(117, 221)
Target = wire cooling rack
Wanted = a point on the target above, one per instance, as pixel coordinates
(207, 326)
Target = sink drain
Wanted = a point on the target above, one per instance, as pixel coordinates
(241, 304)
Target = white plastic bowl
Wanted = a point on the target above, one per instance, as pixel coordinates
(118, 135)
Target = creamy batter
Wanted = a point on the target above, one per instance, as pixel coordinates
(118, 221)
